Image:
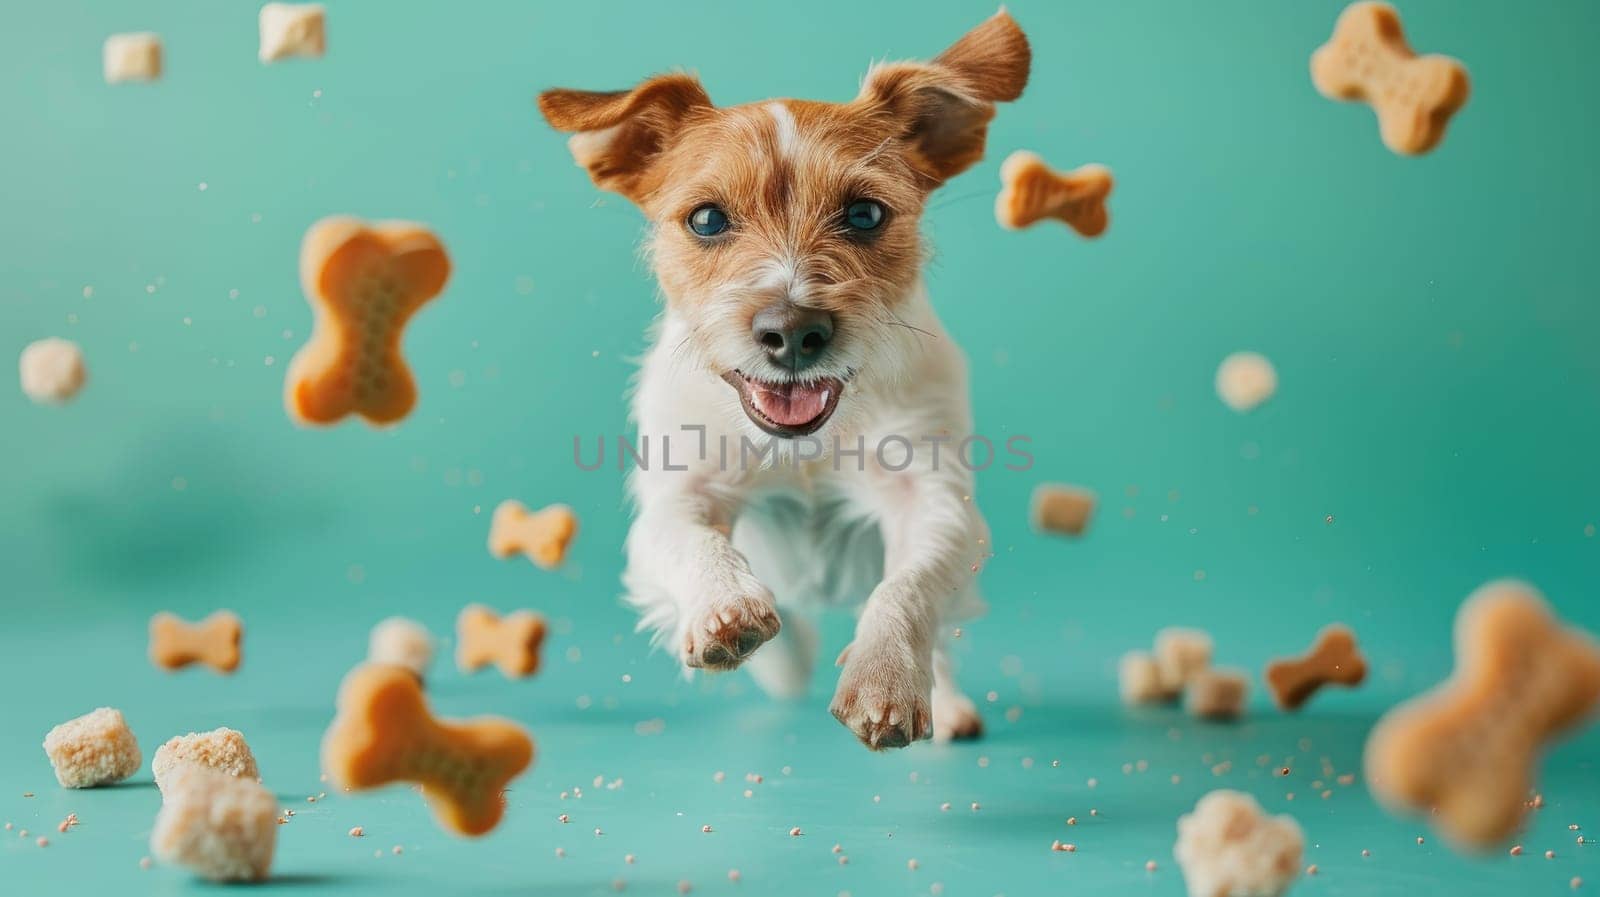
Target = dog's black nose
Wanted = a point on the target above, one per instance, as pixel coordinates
(793, 337)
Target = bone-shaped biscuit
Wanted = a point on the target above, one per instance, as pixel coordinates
(511, 643)
(1466, 751)
(543, 536)
(384, 732)
(1333, 658)
(214, 641)
(1032, 192)
(1368, 59)
(364, 283)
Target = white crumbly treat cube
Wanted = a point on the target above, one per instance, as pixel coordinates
(223, 750)
(1218, 694)
(401, 642)
(1245, 380)
(292, 29)
(97, 748)
(52, 370)
(1229, 848)
(1181, 654)
(223, 827)
(132, 57)
(1139, 680)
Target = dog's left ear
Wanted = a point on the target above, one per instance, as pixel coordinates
(945, 105)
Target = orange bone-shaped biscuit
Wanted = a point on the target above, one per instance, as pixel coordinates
(1333, 658)
(1466, 750)
(1032, 192)
(364, 282)
(511, 643)
(214, 641)
(385, 733)
(1368, 59)
(543, 536)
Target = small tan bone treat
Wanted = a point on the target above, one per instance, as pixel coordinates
(132, 57)
(385, 733)
(1245, 380)
(292, 29)
(1181, 655)
(401, 642)
(223, 827)
(214, 641)
(1062, 509)
(223, 750)
(1217, 694)
(97, 748)
(52, 371)
(511, 643)
(1368, 59)
(1334, 659)
(541, 536)
(1032, 192)
(1228, 847)
(364, 283)
(1139, 680)
(1466, 751)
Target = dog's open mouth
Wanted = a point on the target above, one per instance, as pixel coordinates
(790, 408)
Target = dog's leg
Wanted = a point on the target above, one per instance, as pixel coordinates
(783, 667)
(931, 537)
(696, 591)
(955, 717)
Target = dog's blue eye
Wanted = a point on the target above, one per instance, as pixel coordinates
(708, 221)
(864, 214)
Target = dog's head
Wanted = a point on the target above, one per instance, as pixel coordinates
(786, 234)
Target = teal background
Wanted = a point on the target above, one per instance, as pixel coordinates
(1432, 320)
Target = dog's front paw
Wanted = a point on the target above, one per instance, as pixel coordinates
(724, 632)
(955, 718)
(883, 697)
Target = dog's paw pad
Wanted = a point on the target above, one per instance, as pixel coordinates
(724, 634)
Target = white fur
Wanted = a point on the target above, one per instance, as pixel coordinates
(788, 133)
(903, 546)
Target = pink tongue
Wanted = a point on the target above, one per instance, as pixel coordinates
(790, 404)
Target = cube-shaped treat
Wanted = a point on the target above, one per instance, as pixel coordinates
(52, 370)
(1139, 680)
(292, 29)
(223, 827)
(1061, 509)
(1182, 654)
(1218, 694)
(132, 57)
(97, 748)
(223, 750)
(401, 642)
(1228, 847)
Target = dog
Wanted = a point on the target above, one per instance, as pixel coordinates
(785, 237)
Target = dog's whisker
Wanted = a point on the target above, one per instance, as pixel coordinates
(953, 200)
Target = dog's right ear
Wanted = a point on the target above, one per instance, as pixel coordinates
(616, 135)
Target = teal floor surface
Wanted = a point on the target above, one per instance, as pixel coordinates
(1433, 322)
